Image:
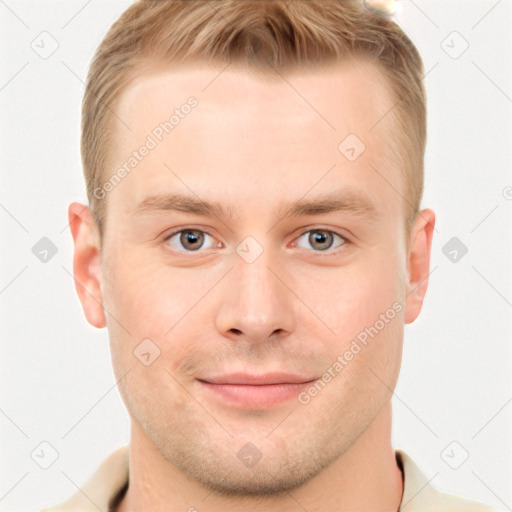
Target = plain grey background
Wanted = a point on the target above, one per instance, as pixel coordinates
(454, 396)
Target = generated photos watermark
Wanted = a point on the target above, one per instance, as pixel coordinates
(156, 136)
(355, 348)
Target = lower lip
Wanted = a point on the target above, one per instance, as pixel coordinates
(254, 396)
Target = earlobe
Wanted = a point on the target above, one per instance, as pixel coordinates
(87, 263)
(418, 263)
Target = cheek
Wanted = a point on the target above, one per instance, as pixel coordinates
(159, 303)
(148, 298)
(354, 297)
(376, 319)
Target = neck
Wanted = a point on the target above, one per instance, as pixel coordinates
(365, 477)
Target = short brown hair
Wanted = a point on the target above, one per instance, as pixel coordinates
(293, 34)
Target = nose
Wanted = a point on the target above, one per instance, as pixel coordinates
(255, 303)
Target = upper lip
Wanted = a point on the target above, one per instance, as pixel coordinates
(257, 379)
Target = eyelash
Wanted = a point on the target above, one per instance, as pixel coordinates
(326, 252)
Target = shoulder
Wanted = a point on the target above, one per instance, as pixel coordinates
(101, 488)
(421, 496)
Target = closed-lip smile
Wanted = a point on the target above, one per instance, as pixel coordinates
(252, 390)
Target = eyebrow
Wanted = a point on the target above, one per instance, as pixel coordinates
(347, 201)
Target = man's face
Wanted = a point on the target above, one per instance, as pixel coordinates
(256, 296)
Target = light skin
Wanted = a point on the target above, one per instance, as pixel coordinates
(252, 146)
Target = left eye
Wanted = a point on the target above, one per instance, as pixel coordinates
(320, 239)
(189, 240)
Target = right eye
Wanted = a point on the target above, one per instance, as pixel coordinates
(189, 240)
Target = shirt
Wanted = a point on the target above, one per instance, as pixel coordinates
(106, 487)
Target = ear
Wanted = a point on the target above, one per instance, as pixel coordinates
(87, 263)
(418, 263)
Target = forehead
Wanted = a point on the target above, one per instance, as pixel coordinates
(250, 136)
(357, 90)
